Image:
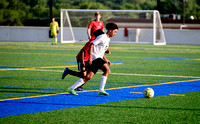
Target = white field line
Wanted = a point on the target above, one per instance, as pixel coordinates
(124, 74)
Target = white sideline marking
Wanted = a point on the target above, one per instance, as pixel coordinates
(125, 74)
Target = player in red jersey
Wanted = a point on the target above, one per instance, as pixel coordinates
(94, 26)
(95, 29)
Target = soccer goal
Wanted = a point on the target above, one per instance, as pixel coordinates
(135, 26)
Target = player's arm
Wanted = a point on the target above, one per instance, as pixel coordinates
(57, 27)
(89, 30)
(102, 28)
(91, 49)
(106, 60)
(50, 26)
(89, 33)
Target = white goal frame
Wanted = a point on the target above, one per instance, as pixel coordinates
(156, 21)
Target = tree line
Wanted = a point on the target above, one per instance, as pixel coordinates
(37, 12)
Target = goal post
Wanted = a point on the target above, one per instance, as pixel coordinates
(144, 26)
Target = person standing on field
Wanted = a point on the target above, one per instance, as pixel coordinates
(94, 26)
(54, 29)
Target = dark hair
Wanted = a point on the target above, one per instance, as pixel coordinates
(97, 13)
(111, 25)
(98, 32)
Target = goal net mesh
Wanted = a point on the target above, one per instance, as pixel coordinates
(135, 26)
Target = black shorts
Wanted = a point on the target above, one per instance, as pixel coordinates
(96, 64)
(81, 67)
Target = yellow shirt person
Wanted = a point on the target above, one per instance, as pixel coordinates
(54, 28)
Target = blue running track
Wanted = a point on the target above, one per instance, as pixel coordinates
(61, 101)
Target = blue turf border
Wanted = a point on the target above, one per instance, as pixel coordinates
(62, 101)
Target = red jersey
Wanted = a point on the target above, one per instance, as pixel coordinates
(94, 25)
(86, 49)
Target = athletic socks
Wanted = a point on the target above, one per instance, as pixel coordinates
(55, 40)
(81, 82)
(103, 82)
(74, 73)
(52, 40)
(77, 84)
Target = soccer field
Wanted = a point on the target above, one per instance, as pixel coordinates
(30, 70)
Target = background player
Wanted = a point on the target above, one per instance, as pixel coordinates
(98, 60)
(94, 26)
(54, 28)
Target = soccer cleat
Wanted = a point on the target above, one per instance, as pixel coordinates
(102, 92)
(80, 89)
(71, 91)
(65, 73)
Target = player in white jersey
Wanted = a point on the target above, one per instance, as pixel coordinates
(98, 60)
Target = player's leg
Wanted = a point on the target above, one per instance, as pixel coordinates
(53, 34)
(106, 71)
(52, 40)
(100, 64)
(92, 69)
(81, 73)
(89, 75)
(71, 72)
(83, 70)
(55, 38)
(80, 82)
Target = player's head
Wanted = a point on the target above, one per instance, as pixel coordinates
(112, 29)
(97, 15)
(53, 19)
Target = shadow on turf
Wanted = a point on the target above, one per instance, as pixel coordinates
(110, 106)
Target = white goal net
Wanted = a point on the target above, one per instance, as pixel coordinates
(135, 26)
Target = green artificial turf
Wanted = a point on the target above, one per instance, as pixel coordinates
(42, 65)
(163, 109)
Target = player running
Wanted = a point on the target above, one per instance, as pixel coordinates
(98, 60)
(54, 28)
(82, 61)
(95, 28)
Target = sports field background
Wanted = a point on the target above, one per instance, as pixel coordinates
(30, 69)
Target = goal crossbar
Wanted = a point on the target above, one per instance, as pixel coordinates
(158, 36)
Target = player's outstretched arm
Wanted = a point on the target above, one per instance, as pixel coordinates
(106, 60)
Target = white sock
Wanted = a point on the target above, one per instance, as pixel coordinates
(103, 82)
(77, 84)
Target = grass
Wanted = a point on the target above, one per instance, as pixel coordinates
(43, 65)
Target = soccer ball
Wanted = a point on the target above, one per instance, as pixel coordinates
(148, 93)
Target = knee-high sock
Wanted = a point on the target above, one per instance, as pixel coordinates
(77, 84)
(56, 40)
(74, 73)
(103, 82)
(52, 40)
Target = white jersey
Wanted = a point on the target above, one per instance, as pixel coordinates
(101, 44)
